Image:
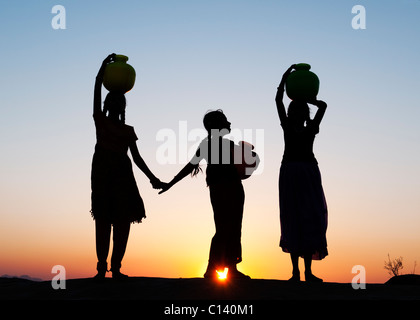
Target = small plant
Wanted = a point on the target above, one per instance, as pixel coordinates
(394, 266)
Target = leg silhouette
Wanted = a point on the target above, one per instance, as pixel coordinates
(121, 231)
(120, 238)
(295, 263)
(103, 235)
(309, 277)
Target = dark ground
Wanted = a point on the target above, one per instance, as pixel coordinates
(143, 288)
(163, 298)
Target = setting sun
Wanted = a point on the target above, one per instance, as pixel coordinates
(222, 275)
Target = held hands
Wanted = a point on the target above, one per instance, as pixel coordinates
(157, 184)
(165, 187)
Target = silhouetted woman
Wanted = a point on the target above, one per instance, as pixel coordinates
(226, 194)
(303, 209)
(116, 200)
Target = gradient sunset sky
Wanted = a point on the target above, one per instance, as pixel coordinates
(192, 56)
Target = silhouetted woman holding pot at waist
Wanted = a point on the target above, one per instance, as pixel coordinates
(303, 208)
(116, 201)
(226, 194)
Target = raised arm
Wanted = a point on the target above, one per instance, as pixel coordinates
(322, 107)
(281, 110)
(98, 85)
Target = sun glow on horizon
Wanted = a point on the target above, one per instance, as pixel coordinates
(222, 275)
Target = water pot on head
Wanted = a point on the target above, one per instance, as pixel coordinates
(302, 84)
(119, 75)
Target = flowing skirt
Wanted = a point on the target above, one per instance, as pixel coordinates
(115, 196)
(303, 210)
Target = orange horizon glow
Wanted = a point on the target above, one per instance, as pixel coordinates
(188, 232)
(367, 148)
(187, 240)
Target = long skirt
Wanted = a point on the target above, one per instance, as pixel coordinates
(303, 210)
(227, 200)
(115, 196)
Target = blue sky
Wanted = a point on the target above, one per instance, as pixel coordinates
(191, 56)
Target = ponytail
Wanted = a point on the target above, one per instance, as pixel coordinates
(197, 169)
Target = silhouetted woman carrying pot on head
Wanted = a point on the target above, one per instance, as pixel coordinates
(116, 201)
(303, 208)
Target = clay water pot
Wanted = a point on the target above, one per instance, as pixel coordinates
(245, 159)
(302, 84)
(119, 76)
